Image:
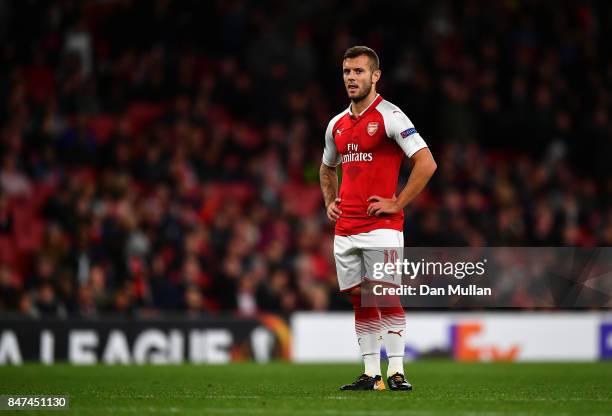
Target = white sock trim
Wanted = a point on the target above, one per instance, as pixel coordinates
(371, 364)
(396, 365)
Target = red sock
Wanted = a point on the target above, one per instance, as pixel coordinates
(392, 313)
(367, 319)
(367, 327)
(393, 327)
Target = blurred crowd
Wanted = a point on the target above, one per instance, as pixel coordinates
(163, 155)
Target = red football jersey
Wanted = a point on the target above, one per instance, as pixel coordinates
(370, 147)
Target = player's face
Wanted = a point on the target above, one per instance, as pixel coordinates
(359, 77)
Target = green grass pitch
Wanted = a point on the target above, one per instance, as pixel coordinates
(440, 388)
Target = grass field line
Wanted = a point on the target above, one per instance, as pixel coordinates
(183, 396)
(362, 396)
(403, 396)
(330, 412)
(365, 397)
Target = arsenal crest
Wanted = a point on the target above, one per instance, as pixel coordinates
(372, 128)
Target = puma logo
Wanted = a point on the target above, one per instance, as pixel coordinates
(398, 333)
(358, 341)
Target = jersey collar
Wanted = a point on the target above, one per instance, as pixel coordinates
(376, 100)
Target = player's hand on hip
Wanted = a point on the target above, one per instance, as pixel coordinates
(380, 205)
(333, 212)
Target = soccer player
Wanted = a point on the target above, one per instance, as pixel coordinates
(370, 139)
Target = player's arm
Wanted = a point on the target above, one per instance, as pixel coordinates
(422, 170)
(328, 175)
(400, 128)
